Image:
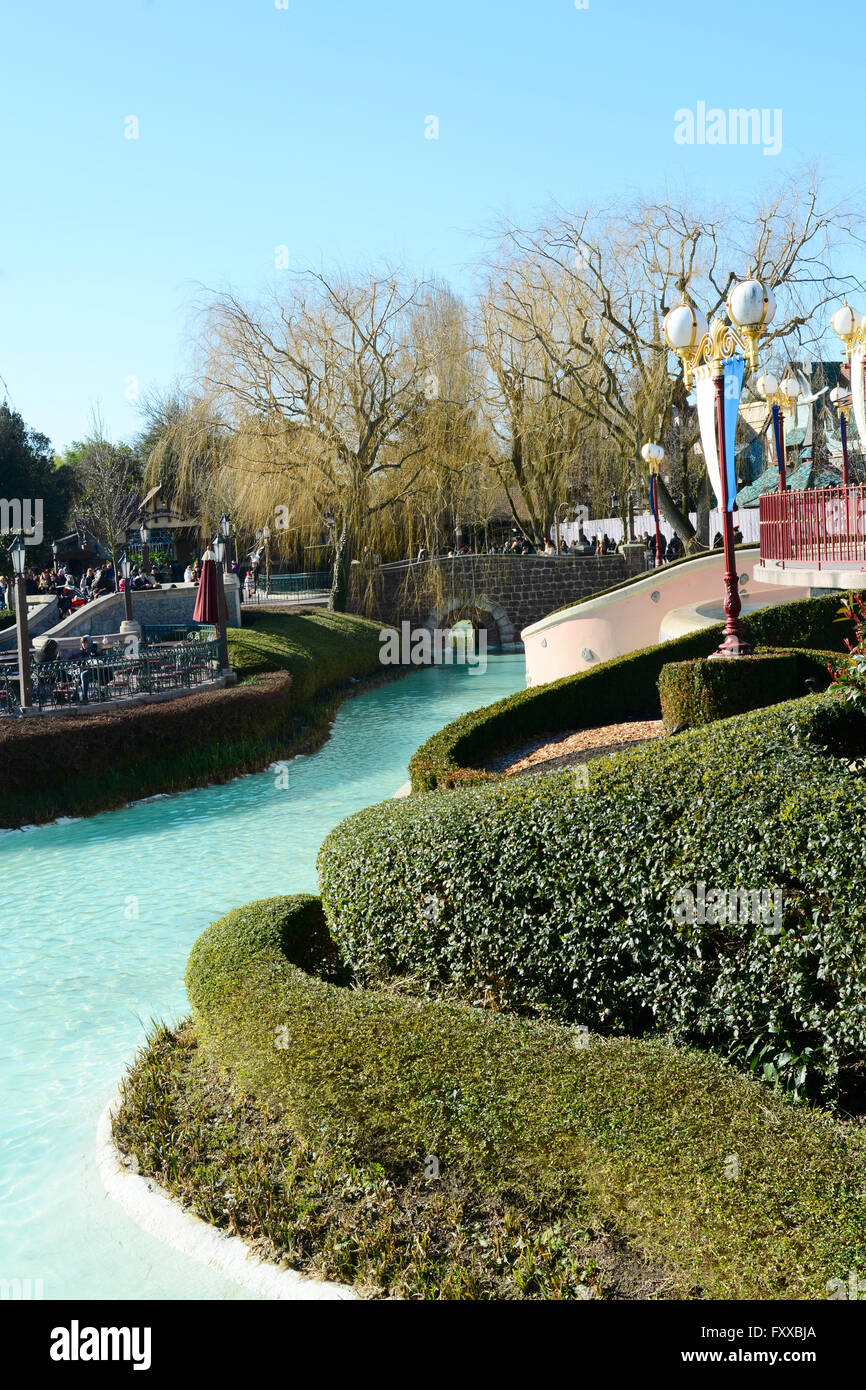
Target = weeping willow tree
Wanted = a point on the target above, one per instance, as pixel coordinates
(308, 414)
(450, 432)
(183, 444)
(344, 417)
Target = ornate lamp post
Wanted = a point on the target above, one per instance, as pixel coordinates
(18, 553)
(842, 401)
(851, 328)
(145, 551)
(782, 398)
(226, 532)
(653, 455)
(266, 537)
(218, 546)
(126, 570)
(715, 357)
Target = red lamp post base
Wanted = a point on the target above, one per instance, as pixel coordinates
(732, 645)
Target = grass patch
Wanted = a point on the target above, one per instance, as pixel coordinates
(241, 1167)
(296, 1090)
(318, 649)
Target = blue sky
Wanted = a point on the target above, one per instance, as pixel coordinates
(305, 127)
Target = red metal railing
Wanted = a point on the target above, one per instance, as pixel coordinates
(826, 526)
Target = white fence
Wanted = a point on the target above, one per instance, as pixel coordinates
(747, 519)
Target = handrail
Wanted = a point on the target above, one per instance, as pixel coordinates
(179, 632)
(94, 680)
(819, 526)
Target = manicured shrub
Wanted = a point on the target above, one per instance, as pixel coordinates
(7, 618)
(289, 667)
(294, 926)
(554, 896)
(822, 624)
(625, 688)
(65, 765)
(694, 693)
(637, 1133)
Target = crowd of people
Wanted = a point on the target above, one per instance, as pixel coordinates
(74, 590)
(524, 545)
(600, 544)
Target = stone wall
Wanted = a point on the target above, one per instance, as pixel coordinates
(173, 604)
(41, 615)
(503, 593)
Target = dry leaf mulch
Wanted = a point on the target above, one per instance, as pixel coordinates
(548, 751)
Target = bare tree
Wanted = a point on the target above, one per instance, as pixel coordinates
(539, 438)
(108, 480)
(593, 291)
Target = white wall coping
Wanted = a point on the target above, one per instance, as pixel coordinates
(801, 575)
(645, 584)
(151, 1208)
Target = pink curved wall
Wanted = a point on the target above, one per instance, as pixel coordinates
(628, 619)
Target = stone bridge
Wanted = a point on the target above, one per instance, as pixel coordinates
(500, 593)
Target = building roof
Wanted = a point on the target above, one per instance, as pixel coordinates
(804, 475)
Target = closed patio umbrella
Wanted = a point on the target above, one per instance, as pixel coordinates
(207, 606)
(210, 602)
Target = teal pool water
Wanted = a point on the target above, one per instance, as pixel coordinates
(97, 917)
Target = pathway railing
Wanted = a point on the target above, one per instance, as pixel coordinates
(290, 586)
(153, 633)
(94, 680)
(823, 526)
(9, 691)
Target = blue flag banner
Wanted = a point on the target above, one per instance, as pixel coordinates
(653, 503)
(777, 431)
(735, 370)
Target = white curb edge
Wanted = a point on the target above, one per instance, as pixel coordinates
(151, 1208)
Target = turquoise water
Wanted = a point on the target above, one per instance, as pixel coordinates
(97, 918)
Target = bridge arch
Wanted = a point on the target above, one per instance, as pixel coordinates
(484, 614)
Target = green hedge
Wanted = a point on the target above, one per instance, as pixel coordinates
(7, 618)
(694, 693)
(640, 1133)
(292, 670)
(319, 650)
(559, 893)
(625, 688)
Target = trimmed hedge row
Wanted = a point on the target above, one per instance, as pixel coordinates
(61, 765)
(291, 665)
(694, 693)
(555, 894)
(638, 1132)
(625, 688)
